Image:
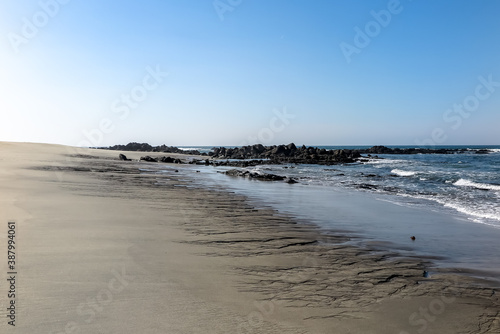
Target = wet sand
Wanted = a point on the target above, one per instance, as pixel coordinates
(373, 219)
(104, 248)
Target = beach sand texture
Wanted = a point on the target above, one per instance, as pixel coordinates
(103, 248)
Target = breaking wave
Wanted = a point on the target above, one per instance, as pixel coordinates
(482, 186)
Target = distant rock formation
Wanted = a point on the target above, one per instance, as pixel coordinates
(145, 147)
(288, 154)
(387, 150)
(257, 154)
(313, 155)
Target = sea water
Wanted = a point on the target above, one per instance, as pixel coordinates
(450, 202)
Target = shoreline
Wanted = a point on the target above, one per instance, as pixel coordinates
(274, 272)
(383, 223)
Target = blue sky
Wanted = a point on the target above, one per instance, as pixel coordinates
(242, 71)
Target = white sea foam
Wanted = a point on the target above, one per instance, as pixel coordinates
(494, 150)
(400, 172)
(385, 161)
(189, 148)
(484, 186)
(486, 214)
(256, 170)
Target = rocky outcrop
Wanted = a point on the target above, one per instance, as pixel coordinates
(145, 147)
(147, 158)
(167, 159)
(232, 163)
(252, 155)
(387, 150)
(142, 147)
(254, 175)
(314, 155)
(123, 157)
(288, 154)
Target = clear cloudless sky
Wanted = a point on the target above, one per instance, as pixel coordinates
(234, 65)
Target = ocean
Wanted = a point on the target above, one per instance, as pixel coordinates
(467, 182)
(450, 202)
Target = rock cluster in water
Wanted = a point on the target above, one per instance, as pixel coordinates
(258, 154)
(259, 175)
(387, 150)
(248, 156)
(288, 154)
(291, 153)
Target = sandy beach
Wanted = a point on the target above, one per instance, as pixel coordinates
(104, 248)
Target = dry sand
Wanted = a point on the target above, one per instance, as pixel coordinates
(102, 248)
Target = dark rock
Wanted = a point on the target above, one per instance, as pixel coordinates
(267, 177)
(149, 159)
(291, 147)
(366, 186)
(145, 147)
(288, 154)
(162, 159)
(123, 157)
(387, 150)
(235, 172)
(292, 154)
(167, 159)
(254, 175)
(291, 181)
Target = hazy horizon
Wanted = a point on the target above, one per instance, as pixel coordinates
(275, 144)
(232, 73)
